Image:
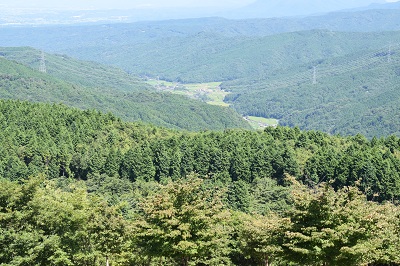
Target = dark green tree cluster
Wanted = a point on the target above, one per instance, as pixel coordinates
(87, 145)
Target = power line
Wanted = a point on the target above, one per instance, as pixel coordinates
(365, 61)
(42, 66)
(314, 75)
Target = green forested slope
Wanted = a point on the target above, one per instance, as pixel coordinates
(130, 101)
(206, 54)
(358, 93)
(214, 57)
(82, 73)
(81, 187)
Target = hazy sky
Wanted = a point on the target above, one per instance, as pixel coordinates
(120, 4)
(128, 4)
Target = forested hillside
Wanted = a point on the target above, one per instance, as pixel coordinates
(206, 57)
(358, 93)
(81, 187)
(272, 77)
(78, 72)
(86, 85)
(266, 64)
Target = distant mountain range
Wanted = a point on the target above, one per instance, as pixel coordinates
(258, 9)
(393, 5)
(286, 8)
(70, 40)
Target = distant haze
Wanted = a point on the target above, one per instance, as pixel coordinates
(131, 4)
(281, 8)
(121, 4)
(20, 12)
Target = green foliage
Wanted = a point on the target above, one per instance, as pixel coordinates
(239, 196)
(260, 237)
(337, 228)
(185, 222)
(45, 225)
(268, 197)
(145, 208)
(124, 192)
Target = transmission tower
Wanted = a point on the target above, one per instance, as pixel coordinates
(42, 66)
(389, 58)
(314, 81)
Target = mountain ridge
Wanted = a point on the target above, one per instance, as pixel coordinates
(164, 109)
(289, 8)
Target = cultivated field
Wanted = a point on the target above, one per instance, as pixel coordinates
(210, 93)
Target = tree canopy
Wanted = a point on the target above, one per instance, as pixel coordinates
(82, 187)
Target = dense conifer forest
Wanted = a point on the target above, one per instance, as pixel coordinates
(82, 187)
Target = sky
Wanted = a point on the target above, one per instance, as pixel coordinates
(121, 4)
(37, 11)
(127, 4)
(207, 7)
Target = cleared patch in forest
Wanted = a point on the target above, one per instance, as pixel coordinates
(210, 93)
(261, 122)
